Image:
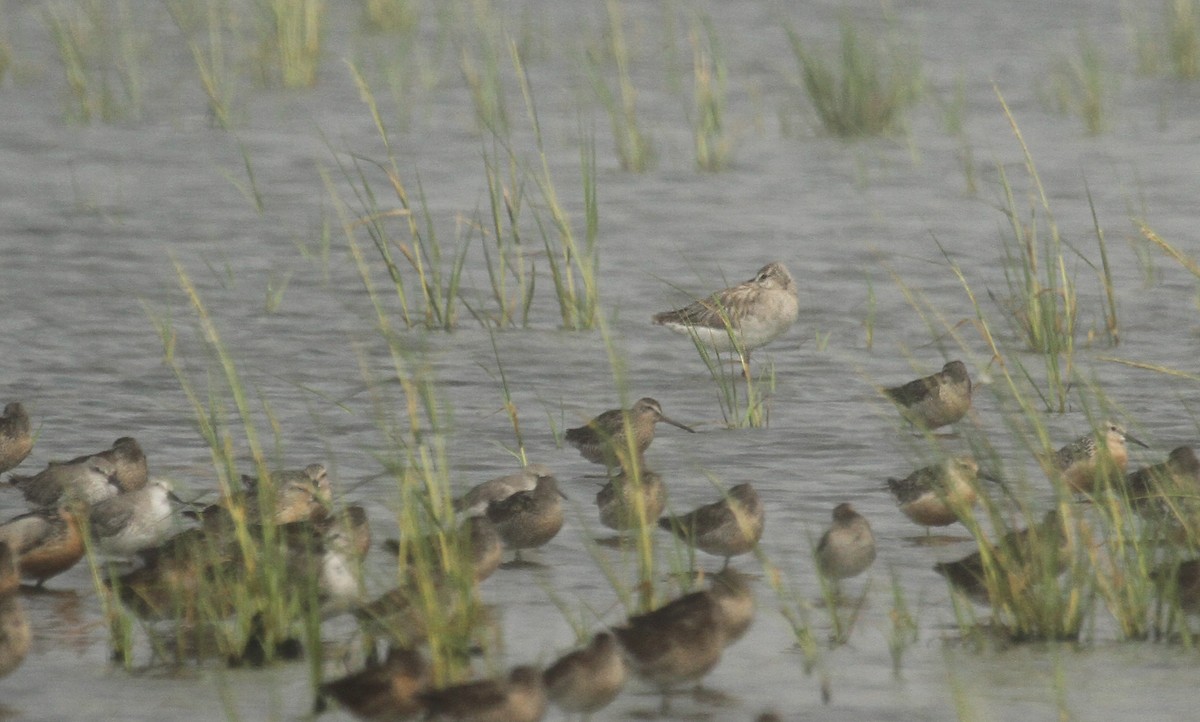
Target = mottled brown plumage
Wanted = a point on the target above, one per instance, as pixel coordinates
(618, 500)
(529, 519)
(519, 698)
(605, 440)
(740, 318)
(936, 400)
(388, 691)
(847, 548)
(725, 528)
(588, 679)
(1080, 463)
(46, 542)
(16, 437)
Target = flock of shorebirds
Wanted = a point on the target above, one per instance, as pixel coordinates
(107, 501)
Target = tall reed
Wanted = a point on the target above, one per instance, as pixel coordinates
(635, 150)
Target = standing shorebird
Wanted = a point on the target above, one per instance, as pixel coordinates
(724, 528)
(587, 679)
(940, 494)
(1169, 490)
(682, 640)
(16, 439)
(476, 500)
(847, 548)
(603, 440)
(529, 519)
(937, 400)
(137, 520)
(740, 318)
(1080, 463)
(15, 635)
(519, 698)
(46, 542)
(619, 500)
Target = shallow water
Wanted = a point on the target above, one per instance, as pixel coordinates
(94, 216)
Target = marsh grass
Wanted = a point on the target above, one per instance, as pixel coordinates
(510, 266)
(573, 261)
(635, 151)
(1182, 24)
(1081, 85)
(1042, 295)
(392, 16)
(865, 87)
(438, 271)
(481, 57)
(213, 41)
(743, 399)
(289, 40)
(904, 631)
(710, 133)
(101, 54)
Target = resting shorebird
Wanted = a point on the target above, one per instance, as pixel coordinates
(587, 679)
(682, 640)
(847, 548)
(46, 542)
(619, 500)
(385, 691)
(740, 318)
(519, 698)
(1019, 560)
(137, 520)
(476, 500)
(937, 495)
(130, 471)
(937, 400)
(16, 441)
(529, 519)
(1082, 461)
(724, 528)
(603, 440)
(1169, 491)
(92, 480)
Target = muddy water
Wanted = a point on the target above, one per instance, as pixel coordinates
(94, 217)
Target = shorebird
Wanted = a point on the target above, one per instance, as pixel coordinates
(847, 548)
(529, 519)
(619, 499)
(1169, 490)
(724, 528)
(682, 640)
(519, 698)
(128, 523)
(937, 400)
(475, 501)
(298, 493)
(938, 495)
(46, 542)
(1080, 463)
(604, 439)
(587, 679)
(91, 480)
(15, 635)
(16, 439)
(485, 546)
(740, 318)
(1020, 559)
(186, 576)
(387, 691)
(130, 471)
(1179, 581)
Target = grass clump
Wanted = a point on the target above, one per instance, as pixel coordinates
(290, 40)
(101, 58)
(709, 132)
(634, 149)
(865, 87)
(1081, 86)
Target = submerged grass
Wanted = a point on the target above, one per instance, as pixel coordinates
(634, 149)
